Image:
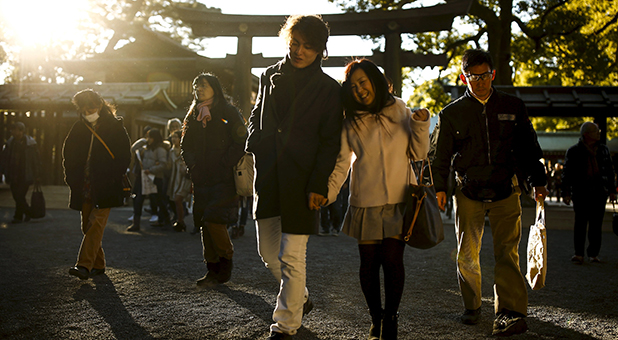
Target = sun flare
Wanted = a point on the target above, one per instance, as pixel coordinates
(35, 22)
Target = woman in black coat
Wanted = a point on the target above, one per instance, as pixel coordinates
(213, 140)
(94, 175)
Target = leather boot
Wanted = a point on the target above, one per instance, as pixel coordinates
(376, 324)
(389, 327)
(212, 276)
(135, 225)
(225, 270)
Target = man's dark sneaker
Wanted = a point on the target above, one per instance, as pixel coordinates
(577, 259)
(307, 307)
(278, 336)
(471, 316)
(97, 271)
(80, 272)
(509, 323)
(323, 232)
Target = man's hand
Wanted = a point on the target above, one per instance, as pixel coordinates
(441, 196)
(316, 201)
(420, 114)
(540, 193)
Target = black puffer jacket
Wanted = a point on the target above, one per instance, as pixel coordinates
(488, 143)
(105, 173)
(211, 152)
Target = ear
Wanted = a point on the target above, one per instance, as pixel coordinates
(493, 75)
(463, 79)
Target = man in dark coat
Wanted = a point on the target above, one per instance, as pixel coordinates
(21, 166)
(588, 178)
(294, 135)
(94, 170)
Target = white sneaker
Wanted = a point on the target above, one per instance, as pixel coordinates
(154, 219)
(130, 218)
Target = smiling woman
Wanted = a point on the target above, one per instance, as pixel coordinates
(33, 22)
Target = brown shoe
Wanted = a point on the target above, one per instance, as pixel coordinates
(577, 259)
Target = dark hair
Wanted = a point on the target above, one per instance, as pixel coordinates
(213, 81)
(381, 87)
(473, 58)
(177, 133)
(156, 136)
(90, 99)
(311, 27)
(18, 126)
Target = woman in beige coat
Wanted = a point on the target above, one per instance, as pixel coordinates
(378, 131)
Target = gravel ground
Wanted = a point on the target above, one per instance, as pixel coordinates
(148, 291)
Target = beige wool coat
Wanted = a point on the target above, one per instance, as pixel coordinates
(375, 150)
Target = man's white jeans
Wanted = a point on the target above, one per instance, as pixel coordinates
(285, 256)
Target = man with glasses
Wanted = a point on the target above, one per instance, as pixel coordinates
(488, 139)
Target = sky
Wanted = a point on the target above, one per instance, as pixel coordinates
(345, 46)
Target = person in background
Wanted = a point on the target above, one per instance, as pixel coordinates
(173, 125)
(153, 159)
(212, 143)
(488, 140)
(380, 132)
(331, 216)
(588, 179)
(21, 166)
(135, 166)
(93, 175)
(179, 187)
(294, 132)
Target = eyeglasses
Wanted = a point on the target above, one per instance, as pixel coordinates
(478, 77)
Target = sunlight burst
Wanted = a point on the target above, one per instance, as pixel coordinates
(34, 22)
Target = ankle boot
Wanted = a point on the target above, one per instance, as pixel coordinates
(225, 270)
(389, 327)
(376, 325)
(135, 225)
(212, 276)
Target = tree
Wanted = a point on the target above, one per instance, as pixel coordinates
(558, 42)
(103, 28)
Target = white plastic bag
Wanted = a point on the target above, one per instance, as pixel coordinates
(537, 250)
(243, 175)
(148, 186)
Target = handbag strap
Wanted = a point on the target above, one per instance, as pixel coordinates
(100, 140)
(420, 173)
(540, 211)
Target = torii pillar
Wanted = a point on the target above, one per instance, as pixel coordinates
(242, 85)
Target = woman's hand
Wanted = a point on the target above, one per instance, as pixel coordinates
(420, 114)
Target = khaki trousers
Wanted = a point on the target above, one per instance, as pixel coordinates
(91, 253)
(216, 242)
(510, 291)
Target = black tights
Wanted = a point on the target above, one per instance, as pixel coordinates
(389, 256)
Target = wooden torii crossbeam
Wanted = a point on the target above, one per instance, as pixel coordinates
(391, 24)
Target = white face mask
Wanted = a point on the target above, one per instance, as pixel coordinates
(91, 118)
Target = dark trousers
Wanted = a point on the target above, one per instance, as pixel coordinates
(19, 191)
(158, 203)
(589, 212)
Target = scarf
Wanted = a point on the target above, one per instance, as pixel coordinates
(204, 112)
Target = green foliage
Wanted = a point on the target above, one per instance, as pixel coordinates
(430, 94)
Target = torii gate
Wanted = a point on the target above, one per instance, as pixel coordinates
(390, 24)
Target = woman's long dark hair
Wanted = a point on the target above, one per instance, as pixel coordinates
(213, 81)
(381, 87)
(90, 99)
(157, 139)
